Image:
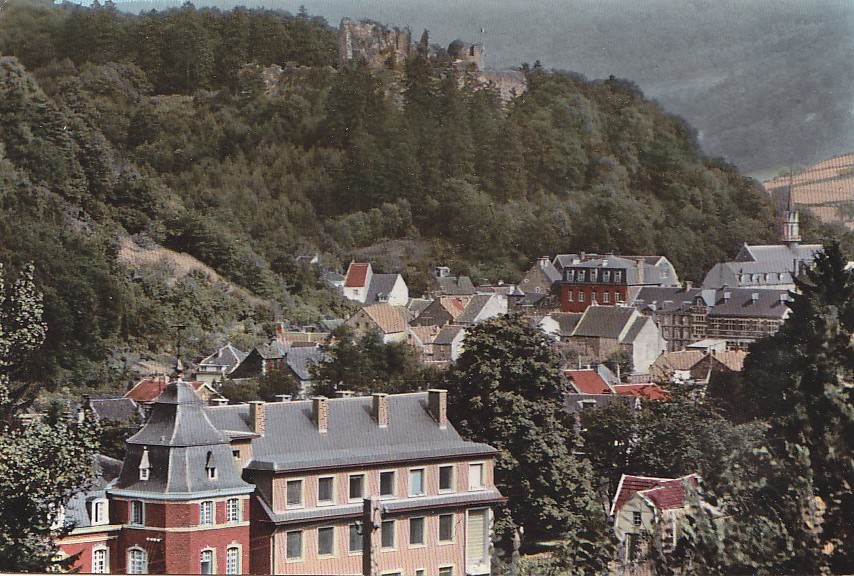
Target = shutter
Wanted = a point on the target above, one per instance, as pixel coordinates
(476, 534)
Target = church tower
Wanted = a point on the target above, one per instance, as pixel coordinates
(789, 226)
(180, 498)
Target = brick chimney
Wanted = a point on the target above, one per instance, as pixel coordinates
(257, 416)
(437, 404)
(320, 413)
(379, 408)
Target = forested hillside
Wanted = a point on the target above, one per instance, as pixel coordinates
(168, 129)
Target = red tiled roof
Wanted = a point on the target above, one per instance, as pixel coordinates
(645, 391)
(588, 382)
(148, 389)
(356, 275)
(453, 305)
(664, 493)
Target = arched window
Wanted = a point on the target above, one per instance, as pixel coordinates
(100, 561)
(206, 565)
(232, 560)
(137, 561)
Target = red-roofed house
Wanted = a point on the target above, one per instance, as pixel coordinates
(363, 286)
(644, 506)
(146, 391)
(588, 382)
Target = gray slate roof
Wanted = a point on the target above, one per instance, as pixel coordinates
(292, 442)
(180, 443)
(227, 356)
(300, 358)
(741, 304)
(455, 285)
(604, 321)
(104, 471)
(380, 284)
(636, 328)
(115, 409)
(567, 321)
(447, 334)
(473, 308)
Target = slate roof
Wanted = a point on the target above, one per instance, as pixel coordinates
(104, 471)
(741, 304)
(447, 334)
(115, 409)
(292, 442)
(356, 275)
(227, 356)
(604, 321)
(474, 308)
(588, 382)
(381, 284)
(562, 261)
(567, 321)
(454, 285)
(390, 319)
(300, 358)
(670, 298)
(180, 443)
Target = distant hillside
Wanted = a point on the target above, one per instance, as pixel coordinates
(216, 147)
(826, 188)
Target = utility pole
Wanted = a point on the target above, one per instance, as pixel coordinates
(371, 522)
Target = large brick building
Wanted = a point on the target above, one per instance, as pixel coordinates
(280, 488)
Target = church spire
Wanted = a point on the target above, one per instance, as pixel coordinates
(789, 222)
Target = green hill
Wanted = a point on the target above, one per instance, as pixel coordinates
(168, 131)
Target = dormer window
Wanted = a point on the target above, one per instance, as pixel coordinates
(581, 275)
(594, 275)
(606, 276)
(144, 466)
(570, 275)
(210, 467)
(100, 512)
(618, 276)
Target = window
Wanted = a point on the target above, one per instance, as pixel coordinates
(476, 476)
(416, 482)
(581, 275)
(207, 561)
(100, 512)
(606, 276)
(594, 275)
(570, 275)
(446, 478)
(144, 474)
(569, 295)
(355, 538)
(580, 296)
(618, 275)
(387, 536)
(421, 572)
(326, 541)
(387, 484)
(416, 531)
(294, 494)
(206, 512)
(232, 560)
(236, 454)
(636, 518)
(477, 535)
(293, 547)
(617, 297)
(446, 571)
(357, 486)
(100, 561)
(137, 561)
(324, 490)
(137, 513)
(606, 297)
(232, 510)
(211, 470)
(446, 527)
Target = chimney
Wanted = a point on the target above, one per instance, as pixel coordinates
(754, 297)
(688, 285)
(543, 261)
(219, 402)
(437, 403)
(727, 296)
(283, 397)
(320, 413)
(379, 408)
(257, 417)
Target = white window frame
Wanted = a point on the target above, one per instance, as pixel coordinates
(130, 562)
(453, 468)
(439, 528)
(350, 479)
(423, 473)
(144, 474)
(301, 503)
(229, 561)
(233, 510)
(131, 520)
(606, 297)
(393, 483)
(618, 275)
(206, 519)
(637, 518)
(101, 505)
(447, 567)
(482, 485)
(423, 542)
(331, 500)
(211, 472)
(328, 554)
(350, 550)
(288, 557)
(105, 569)
(581, 296)
(212, 553)
(570, 295)
(393, 535)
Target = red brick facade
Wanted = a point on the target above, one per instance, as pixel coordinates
(578, 297)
